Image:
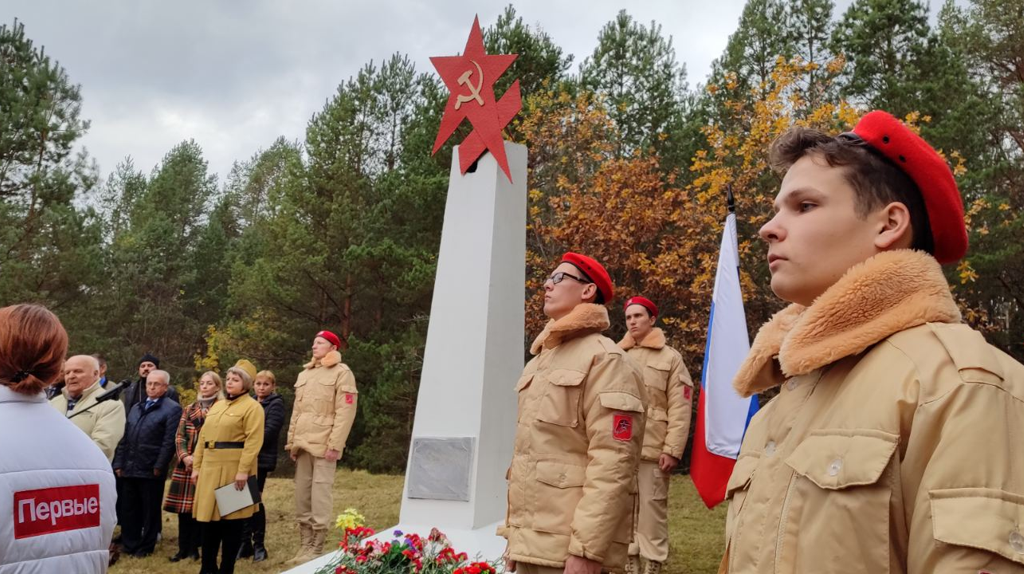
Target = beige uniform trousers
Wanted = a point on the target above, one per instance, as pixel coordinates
(314, 501)
(651, 537)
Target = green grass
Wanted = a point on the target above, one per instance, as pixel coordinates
(696, 532)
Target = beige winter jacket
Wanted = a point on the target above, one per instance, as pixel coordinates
(324, 408)
(670, 390)
(572, 482)
(894, 444)
(103, 423)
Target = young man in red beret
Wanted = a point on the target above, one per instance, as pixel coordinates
(670, 392)
(572, 482)
(894, 442)
(324, 391)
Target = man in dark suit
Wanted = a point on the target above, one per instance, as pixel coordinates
(141, 462)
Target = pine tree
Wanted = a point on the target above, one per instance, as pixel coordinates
(885, 43)
(153, 261)
(50, 247)
(540, 60)
(761, 37)
(810, 31)
(635, 68)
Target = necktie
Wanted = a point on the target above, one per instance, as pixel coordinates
(150, 403)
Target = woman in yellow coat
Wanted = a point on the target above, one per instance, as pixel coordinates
(226, 453)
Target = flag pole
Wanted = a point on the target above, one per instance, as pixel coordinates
(730, 199)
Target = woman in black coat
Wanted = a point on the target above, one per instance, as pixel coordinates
(273, 409)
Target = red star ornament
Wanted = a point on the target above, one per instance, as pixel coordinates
(470, 79)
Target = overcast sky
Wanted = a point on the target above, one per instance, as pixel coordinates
(236, 75)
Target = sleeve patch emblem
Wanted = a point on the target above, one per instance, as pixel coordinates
(622, 427)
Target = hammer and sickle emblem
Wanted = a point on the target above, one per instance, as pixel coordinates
(474, 92)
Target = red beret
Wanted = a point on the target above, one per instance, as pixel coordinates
(331, 337)
(643, 301)
(929, 171)
(594, 271)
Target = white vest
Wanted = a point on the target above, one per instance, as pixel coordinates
(57, 492)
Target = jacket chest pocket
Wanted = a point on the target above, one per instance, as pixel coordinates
(838, 503)
(560, 404)
(323, 393)
(656, 375)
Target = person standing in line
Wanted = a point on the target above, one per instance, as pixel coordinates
(254, 537)
(45, 461)
(103, 368)
(579, 432)
(893, 444)
(141, 461)
(103, 421)
(322, 416)
(228, 446)
(136, 392)
(670, 391)
(181, 495)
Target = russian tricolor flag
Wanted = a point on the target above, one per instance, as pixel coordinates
(722, 415)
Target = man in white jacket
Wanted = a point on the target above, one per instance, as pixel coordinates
(56, 503)
(103, 422)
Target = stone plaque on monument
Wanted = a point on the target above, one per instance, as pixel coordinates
(440, 468)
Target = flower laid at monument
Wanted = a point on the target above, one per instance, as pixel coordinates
(405, 553)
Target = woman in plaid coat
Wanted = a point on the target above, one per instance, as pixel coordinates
(183, 488)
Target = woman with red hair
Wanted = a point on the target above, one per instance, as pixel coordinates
(56, 487)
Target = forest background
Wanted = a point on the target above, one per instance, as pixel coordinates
(627, 162)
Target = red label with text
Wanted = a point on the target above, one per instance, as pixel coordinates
(687, 392)
(349, 399)
(58, 509)
(622, 427)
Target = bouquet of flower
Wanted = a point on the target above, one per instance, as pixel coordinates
(404, 554)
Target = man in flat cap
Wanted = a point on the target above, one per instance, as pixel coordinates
(322, 415)
(894, 442)
(670, 392)
(572, 482)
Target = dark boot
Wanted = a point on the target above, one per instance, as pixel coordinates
(259, 552)
(245, 550)
(259, 533)
(185, 525)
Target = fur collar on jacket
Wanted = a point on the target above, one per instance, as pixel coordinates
(654, 340)
(584, 319)
(888, 293)
(329, 360)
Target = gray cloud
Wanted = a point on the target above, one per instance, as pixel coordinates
(236, 75)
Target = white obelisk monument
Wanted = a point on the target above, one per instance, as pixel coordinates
(466, 408)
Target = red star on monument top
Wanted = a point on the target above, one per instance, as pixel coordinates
(470, 79)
